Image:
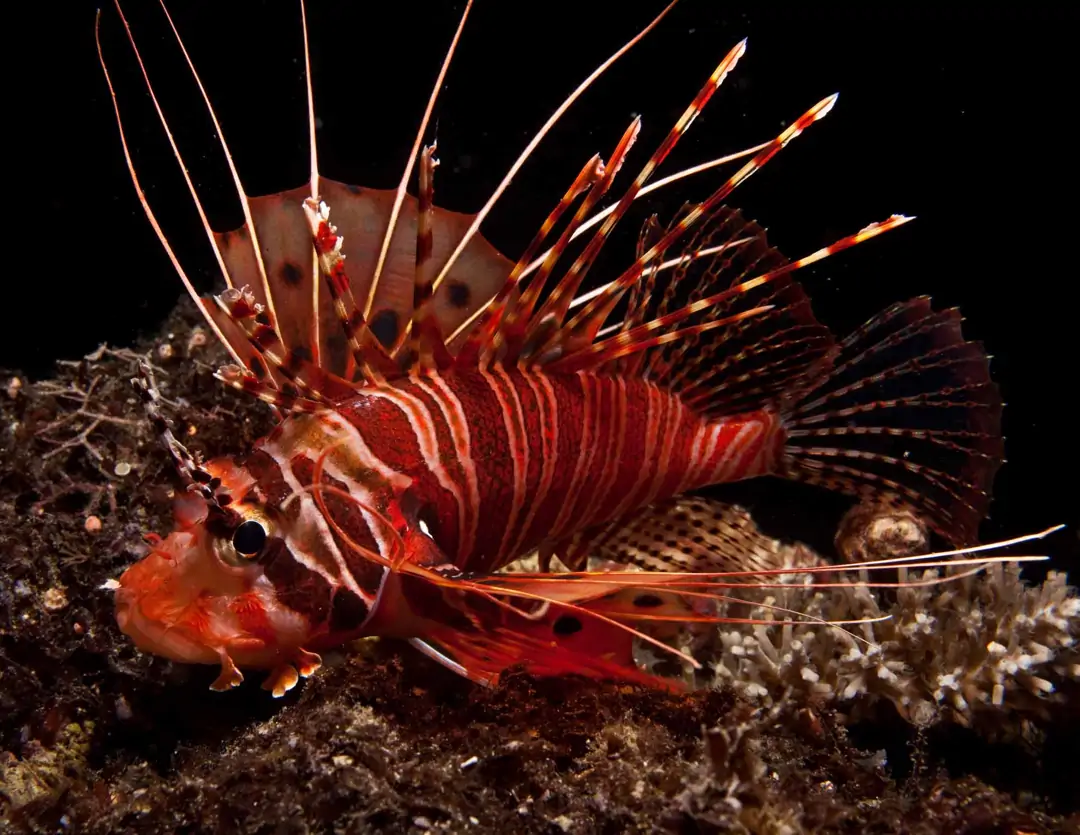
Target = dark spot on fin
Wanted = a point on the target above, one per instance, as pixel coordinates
(566, 625)
(386, 327)
(291, 274)
(407, 357)
(648, 601)
(300, 354)
(258, 368)
(459, 294)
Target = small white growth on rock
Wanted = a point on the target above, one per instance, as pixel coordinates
(55, 599)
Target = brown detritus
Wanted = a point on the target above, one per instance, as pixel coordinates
(96, 737)
(70, 494)
(80, 422)
(44, 767)
(197, 339)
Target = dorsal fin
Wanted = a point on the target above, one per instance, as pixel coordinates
(275, 257)
(571, 346)
(361, 215)
(271, 255)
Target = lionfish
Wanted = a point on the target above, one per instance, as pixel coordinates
(445, 410)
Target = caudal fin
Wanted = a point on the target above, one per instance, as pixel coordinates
(907, 414)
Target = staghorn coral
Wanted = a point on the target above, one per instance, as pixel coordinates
(989, 647)
(737, 791)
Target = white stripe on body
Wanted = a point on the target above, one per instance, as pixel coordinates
(422, 423)
(311, 518)
(458, 426)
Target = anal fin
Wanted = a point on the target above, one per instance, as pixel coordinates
(555, 644)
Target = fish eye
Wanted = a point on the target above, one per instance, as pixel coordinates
(249, 538)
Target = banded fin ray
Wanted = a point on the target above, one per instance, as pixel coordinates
(907, 410)
(272, 256)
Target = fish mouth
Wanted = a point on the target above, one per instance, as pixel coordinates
(157, 637)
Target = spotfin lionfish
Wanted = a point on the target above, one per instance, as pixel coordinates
(445, 410)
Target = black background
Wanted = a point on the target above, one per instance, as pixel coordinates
(960, 116)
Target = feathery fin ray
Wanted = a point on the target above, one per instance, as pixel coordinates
(903, 409)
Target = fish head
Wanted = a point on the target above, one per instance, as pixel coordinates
(207, 590)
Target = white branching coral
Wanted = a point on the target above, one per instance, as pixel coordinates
(961, 650)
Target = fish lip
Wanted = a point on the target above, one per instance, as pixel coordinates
(157, 637)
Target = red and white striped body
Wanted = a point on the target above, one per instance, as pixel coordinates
(471, 470)
(386, 483)
(493, 463)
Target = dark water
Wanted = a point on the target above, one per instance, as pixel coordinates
(954, 116)
(958, 117)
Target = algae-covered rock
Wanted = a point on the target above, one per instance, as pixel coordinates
(97, 737)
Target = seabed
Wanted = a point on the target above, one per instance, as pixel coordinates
(795, 736)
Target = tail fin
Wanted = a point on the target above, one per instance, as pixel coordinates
(907, 414)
